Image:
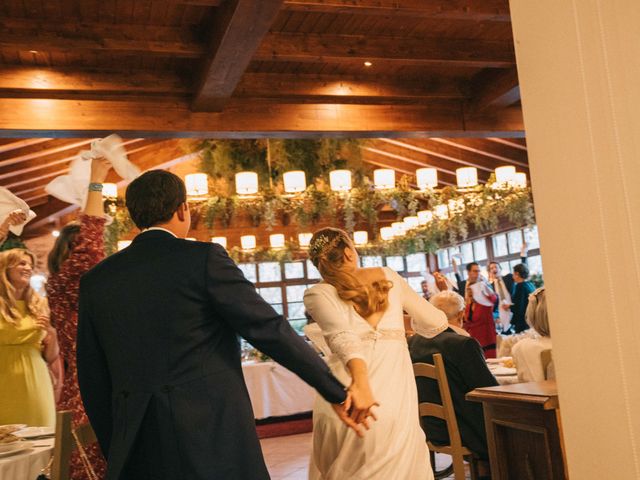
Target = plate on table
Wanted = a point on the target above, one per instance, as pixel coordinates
(12, 427)
(500, 371)
(35, 432)
(497, 360)
(15, 447)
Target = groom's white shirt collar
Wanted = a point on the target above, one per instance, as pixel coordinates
(161, 229)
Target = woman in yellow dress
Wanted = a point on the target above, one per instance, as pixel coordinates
(27, 344)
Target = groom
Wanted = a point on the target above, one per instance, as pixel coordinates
(158, 353)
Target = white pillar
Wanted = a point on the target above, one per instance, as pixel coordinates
(579, 68)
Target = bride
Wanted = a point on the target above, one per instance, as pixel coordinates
(360, 313)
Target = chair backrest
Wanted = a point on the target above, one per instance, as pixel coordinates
(65, 444)
(444, 411)
(547, 364)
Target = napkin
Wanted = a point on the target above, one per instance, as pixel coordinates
(73, 188)
(10, 203)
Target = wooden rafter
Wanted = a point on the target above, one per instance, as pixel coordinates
(496, 89)
(489, 149)
(237, 31)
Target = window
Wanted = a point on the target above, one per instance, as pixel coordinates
(443, 258)
(249, 271)
(371, 261)
(535, 265)
(417, 262)
(294, 270)
(269, 272)
(531, 237)
(395, 263)
(466, 250)
(415, 283)
(480, 250)
(500, 245)
(273, 296)
(312, 271)
(295, 306)
(515, 241)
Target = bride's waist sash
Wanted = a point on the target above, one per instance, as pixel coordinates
(384, 334)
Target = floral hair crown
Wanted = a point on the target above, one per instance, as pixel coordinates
(323, 244)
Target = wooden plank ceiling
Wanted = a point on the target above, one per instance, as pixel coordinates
(433, 82)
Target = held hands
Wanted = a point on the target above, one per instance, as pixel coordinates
(357, 408)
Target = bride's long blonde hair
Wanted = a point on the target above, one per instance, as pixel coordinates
(8, 303)
(326, 251)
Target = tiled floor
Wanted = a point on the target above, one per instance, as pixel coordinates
(288, 457)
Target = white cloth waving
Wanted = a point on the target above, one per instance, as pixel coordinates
(9, 203)
(72, 188)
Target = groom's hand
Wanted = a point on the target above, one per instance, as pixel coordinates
(342, 410)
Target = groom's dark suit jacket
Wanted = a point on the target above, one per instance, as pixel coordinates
(159, 361)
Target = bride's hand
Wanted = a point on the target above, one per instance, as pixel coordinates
(362, 403)
(342, 410)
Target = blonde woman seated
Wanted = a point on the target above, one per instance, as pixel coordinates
(360, 312)
(526, 353)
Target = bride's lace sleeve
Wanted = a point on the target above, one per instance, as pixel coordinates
(333, 319)
(426, 319)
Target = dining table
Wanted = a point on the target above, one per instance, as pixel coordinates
(26, 464)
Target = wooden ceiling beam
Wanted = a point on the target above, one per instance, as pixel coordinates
(497, 89)
(477, 11)
(18, 144)
(297, 47)
(299, 88)
(78, 83)
(501, 153)
(509, 143)
(237, 31)
(249, 119)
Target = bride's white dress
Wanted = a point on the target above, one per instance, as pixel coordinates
(395, 447)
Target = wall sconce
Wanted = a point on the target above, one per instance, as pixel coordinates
(304, 239)
(410, 222)
(197, 184)
(520, 180)
(246, 183)
(398, 229)
(340, 180)
(467, 177)
(360, 238)
(424, 217)
(386, 233)
(427, 178)
(294, 181)
(384, 178)
(248, 242)
(276, 240)
(504, 175)
(220, 241)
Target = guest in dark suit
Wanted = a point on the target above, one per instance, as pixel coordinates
(520, 297)
(158, 352)
(466, 370)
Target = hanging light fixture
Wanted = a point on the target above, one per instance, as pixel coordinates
(441, 212)
(220, 241)
(304, 239)
(467, 177)
(360, 238)
(386, 233)
(294, 181)
(424, 217)
(246, 183)
(504, 175)
(340, 180)
(276, 240)
(410, 222)
(384, 178)
(248, 242)
(520, 180)
(398, 229)
(122, 244)
(197, 185)
(110, 191)
(427, 178)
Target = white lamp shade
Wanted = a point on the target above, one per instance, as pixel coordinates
(109, 190)
(456, 206)
(384, 178)
(220, 241)
(398, 229)
(276, 240)
(467, 177)
(441, 212)
(504, 175)
(294, 181)
(304, 239)
(340, 180)
(123, 244)
(196, 184)
(55, 233)
(427, 178)
(386, 233)
(424, 217)
(360, 238)
(248, 242)
(410, 222)
(246, 183)
(520, 180)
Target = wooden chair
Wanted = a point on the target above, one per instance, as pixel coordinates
(547, 364)
(458, 452)
(65, 443)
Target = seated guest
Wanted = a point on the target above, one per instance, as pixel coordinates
(466, 370)
(519, 297)
(526, 353)
(28, 343)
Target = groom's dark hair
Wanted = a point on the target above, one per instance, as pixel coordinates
(154, 197)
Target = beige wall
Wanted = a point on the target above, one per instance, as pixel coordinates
(579, 67)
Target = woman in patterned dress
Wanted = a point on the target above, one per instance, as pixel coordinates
(79, 248)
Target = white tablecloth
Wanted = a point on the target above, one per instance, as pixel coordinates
(275, 391)
(28, 464)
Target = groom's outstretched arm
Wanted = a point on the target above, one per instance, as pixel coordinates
(256, 321)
